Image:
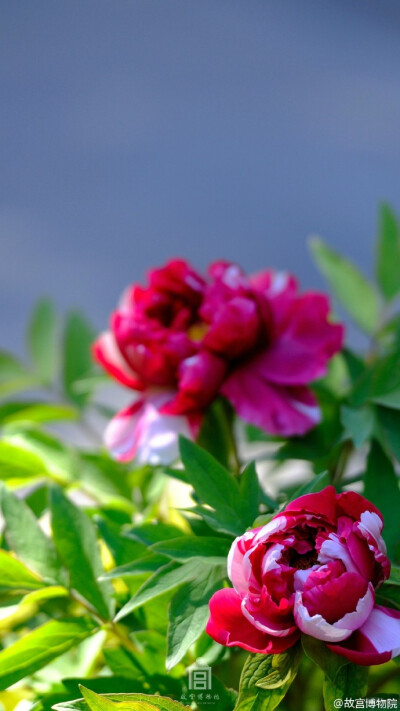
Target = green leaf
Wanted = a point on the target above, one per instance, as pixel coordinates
(14, 376)
(36, 649)
(389, 594)
(388, 253)
(213, 485)
(166, 578)
(148, 563)
(382, 487)
(125, 701)
(319, 653)
(75, 539)
(189, 612)
(17, 463)
(42, 341)
(249, 493)
(216, 432)
(266, 679)
(150, 533)
(36, 412)
(15, 576)
(379, 381)
(215, 550)
(394, 575)
(350, 287)
(78, 361)
(102, 703)
(26, 538)
(58, 461)
(389, 423)
(359, 424)
(316, 484)
(351, 682)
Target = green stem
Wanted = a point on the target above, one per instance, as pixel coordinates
(115, 629)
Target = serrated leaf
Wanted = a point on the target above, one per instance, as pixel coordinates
(189, 612)
(26, 538)
(77, 362)
(76, 542)
(350, 287)
(381, 486)
(38, 648)
(266, 679)
(42, 340)
(388, 253)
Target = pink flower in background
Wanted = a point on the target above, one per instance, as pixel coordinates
(313, 568)
(150, 330)
(141, 432)
(254, 340)
(263, 344)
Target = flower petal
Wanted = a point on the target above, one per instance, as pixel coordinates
(317, 626)
(228, 626)
(107, 354)
(277, 410)
(376, 642)
(142, 432)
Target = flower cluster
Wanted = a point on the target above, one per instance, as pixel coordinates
(184, 340)
(313, 568)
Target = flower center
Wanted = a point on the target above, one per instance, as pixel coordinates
(300, 561)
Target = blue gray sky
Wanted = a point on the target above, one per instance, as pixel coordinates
(136, 130)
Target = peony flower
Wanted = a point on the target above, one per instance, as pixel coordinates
(313, 568)
(262, 346)
(254, 340)
(141, 432)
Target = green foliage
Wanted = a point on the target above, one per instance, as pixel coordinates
(214, 486)
(188, 612)
(381, 486)
(388, 253)
(38, 648)
(75, 540)
(105, 579)
(78, 363)
(42, 341)
(266, 679)
(350, 287)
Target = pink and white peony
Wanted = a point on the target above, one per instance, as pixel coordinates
(313, 568)
(254, 340)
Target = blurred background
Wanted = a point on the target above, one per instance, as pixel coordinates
(133, 131)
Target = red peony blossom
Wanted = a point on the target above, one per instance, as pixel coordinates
(313, 568)
(254, 340)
